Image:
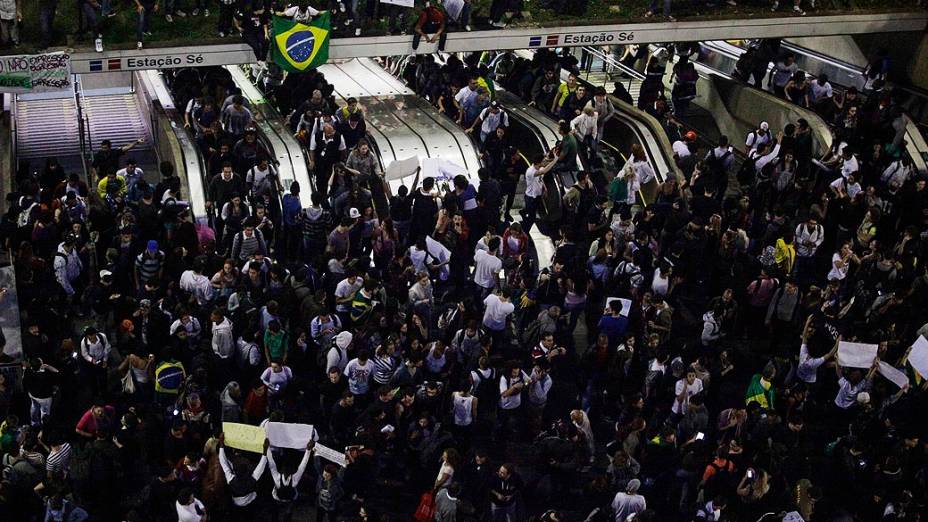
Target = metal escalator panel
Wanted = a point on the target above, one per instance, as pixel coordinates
(48, 128)
(399, 141)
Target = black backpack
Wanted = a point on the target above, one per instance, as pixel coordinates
(747, 172)
(721, 482)
(242, 485)
(286, 492)
(716, 164)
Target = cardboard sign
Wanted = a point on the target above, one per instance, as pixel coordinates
(918, 356)
(244, 437)
(856, 355)
(294, 436)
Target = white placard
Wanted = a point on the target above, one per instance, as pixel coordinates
(286, 435)
(856, 355)
(894, 376)
(454, 8)
(441, 169)
(330, 455)
(400, 169)
(404, 3)
(626, 305)
(918, 356)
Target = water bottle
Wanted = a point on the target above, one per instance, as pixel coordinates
(98, 43)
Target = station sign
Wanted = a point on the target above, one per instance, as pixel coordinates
(167, 58)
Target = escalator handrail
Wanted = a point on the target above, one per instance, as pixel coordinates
(612, 62)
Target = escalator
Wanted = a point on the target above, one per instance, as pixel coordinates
(403, 124)
(721, 57)
(629, 126)
(285, 150)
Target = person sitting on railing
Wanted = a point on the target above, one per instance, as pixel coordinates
(431, 21)
(298, 11)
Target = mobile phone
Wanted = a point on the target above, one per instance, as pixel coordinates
(750, 473)
(700, 436)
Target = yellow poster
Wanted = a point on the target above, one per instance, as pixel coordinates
(244, 436)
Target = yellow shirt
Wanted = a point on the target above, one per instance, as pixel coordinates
(785, 255)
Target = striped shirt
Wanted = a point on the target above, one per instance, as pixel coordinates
(58, 460)
(244, 247)
(148, 266)
(384, 368)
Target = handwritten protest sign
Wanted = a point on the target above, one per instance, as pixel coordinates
(856, 355)
(893, 375)
(244, 437)
(294, 436)
(35, 73)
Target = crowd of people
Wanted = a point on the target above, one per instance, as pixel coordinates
(674, 359)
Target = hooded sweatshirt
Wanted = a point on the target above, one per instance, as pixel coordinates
(231, 411)
(316, 222)
(338, 354)
(711, 330)
(223, 340)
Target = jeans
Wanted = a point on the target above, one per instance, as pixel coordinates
(46, 24)
(653, 7)
(430, 28)
(171, 6)
(40, 409)
(528, 213)
(93, 19)
(143, 25)
(225, 18)
(508, 513)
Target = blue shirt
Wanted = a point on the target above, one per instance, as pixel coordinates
(291, 209)
(613, 327)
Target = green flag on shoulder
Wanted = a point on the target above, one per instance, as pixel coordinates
(299, 47)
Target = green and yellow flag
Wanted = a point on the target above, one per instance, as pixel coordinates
(299, 47)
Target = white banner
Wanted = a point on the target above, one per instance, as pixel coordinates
(856, 355)
(404, 3)
(626, 305)
(35, 73)
(918, 356)
(294, 436)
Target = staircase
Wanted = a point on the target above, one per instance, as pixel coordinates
(47, 128)
(116, 118)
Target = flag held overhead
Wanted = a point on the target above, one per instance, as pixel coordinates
(300, 47)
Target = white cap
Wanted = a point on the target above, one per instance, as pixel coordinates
(863, 398)
(353, 213)
(105, 273)
(764, 126)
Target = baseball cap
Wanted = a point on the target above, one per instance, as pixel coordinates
(152, 246)
(353, 213)
(690, 135)
(105, 273)
(764, 126)
(863, 398)
(494, 104)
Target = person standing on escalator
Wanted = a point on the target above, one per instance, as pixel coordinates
(605, 111)
(326, 148)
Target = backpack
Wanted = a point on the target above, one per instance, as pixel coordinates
(532, 333)
(242, 485)
(716, 164)
(747, 172)
(721, 482)
(286, 492)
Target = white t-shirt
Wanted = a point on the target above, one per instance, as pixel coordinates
(465, 95)
(515, 400)
(837, 274)
(486, 269)
(343, 289)
(297, 15)
(849, 166)
(681, 149)
(534, 186)
(189, 512)
(820, 92)
(494, 316)
(359, 376)
(692, 389)
(847, 392)
(807, 371)
(492, 121)
(852, 189)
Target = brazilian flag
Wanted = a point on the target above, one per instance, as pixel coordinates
(299, 47)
